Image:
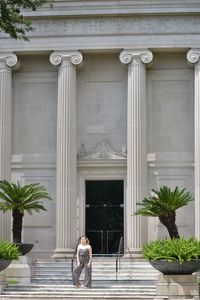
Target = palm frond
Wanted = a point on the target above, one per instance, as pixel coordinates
(164, 201)
(22, 197)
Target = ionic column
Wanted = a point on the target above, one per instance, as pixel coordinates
(136, 143)
(66, 171)
(7, 61)
(193, 57)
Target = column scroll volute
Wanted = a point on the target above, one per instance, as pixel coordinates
(145, 55)
(75, 57)
(8, 60)
(193, 55)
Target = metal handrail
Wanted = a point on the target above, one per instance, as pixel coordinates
(118, 257)
(74, 255)
(131, 257)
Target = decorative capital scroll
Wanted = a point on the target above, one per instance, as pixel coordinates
(10, 59)
(75, 57)
(144, 55)
(193, 55)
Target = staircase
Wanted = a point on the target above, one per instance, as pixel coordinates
(111, 292)
(103, 269)
(52, 280)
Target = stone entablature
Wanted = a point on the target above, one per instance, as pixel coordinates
(109, 7)
(114, 32)
(101, 25)
(117, 25)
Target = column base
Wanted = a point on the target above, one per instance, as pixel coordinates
(133, 253)
(62, 254)
(171, 287)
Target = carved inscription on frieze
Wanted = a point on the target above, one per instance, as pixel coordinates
(118, 25)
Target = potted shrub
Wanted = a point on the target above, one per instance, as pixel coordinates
(173, 256)
(20, 199)
(8, 252)
(176, 255)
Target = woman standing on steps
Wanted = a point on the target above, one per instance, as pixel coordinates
(84, 260)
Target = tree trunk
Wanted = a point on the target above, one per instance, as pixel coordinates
(17, 226)
(169, 221)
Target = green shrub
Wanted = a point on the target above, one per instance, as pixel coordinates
(182, 249)
(8, 251)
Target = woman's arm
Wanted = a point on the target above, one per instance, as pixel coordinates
(77, 256)
(90, 256)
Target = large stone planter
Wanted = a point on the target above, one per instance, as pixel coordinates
(19, 271)
(24, 248)
(174, 267)
(4, 263)
(172, 287)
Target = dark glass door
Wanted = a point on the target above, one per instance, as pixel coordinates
(104, 214)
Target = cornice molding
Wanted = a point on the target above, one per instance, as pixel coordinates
(32, 166)
(114, 7)
(102, 164)
(171, 164)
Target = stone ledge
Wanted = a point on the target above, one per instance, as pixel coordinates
(111, 7)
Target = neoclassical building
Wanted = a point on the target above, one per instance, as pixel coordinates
(101, 106)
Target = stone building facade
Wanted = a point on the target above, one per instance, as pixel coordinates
(104, 97)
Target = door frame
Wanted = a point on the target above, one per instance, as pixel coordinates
(98, 171)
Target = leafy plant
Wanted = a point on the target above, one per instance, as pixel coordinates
(163, 204)
(8, 251)
(18, 199)
(12, 20)
(182, 249)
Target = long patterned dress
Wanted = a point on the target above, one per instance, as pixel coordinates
(84, 258)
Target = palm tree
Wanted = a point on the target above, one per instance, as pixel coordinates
(163, 204)
(19, 199)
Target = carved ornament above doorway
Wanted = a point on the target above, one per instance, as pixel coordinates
(103, 152)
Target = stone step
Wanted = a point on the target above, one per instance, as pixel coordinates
(77, 297)
(96, 274)
(96, 268)
(105, 285)
(101, 276)
(123, 263)
(107, 291)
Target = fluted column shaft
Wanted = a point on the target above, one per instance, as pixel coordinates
(66, 152)
(7, 61)
(193, 56)
(136, 142)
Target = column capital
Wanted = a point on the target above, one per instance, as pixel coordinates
(145, 55)
(193, 55)
(9, 59)
(75, 57)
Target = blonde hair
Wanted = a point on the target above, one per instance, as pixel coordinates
(86, 238)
